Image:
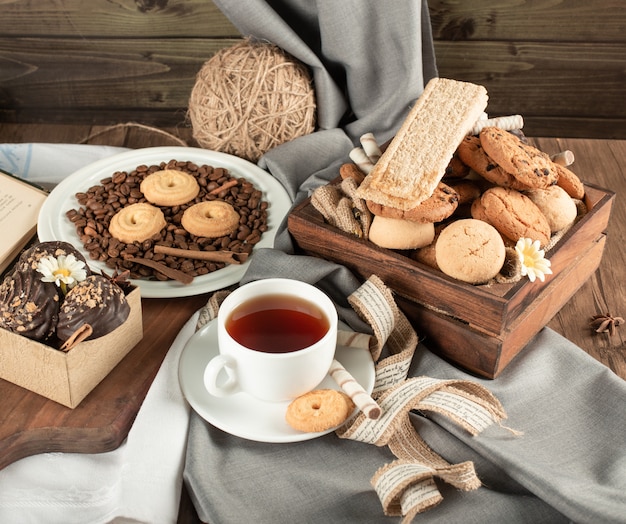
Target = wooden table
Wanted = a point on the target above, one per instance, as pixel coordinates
(602, 162)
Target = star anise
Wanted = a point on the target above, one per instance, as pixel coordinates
(605, 323)
(120, 279)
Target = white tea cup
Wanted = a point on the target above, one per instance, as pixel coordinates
(277, 339)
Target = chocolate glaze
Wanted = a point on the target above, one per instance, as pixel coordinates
(95, 301)
(30, 258)
(28, 306)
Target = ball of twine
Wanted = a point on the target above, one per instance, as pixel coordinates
(249, 98)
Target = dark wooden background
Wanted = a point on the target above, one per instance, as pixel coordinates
(559, 63)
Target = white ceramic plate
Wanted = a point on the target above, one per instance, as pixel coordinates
(54, 225)
(243, 415)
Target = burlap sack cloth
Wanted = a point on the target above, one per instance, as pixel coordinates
(370, 61)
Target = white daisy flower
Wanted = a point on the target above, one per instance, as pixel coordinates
(64, 271)
(532, 258)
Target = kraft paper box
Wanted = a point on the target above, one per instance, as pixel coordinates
(67, 378)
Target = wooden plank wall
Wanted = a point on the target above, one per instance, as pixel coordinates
(560, 63)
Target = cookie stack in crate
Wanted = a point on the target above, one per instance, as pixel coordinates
(459, 191)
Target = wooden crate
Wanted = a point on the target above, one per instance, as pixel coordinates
(479, 328)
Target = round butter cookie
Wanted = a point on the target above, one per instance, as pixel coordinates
(527, 164)
(169, 187)
(556, 205)
(513, 214)
(396, 233)
(210, 219)
(319, 410)
(137, 222)
(470, 250)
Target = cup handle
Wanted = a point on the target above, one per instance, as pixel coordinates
(217, 365)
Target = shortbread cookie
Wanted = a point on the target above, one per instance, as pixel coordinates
(556, 205)
(415, 161)
(137, 222)
(513, 214)
(470, 250)
(570, 182)
(526, 163)
(210, 219)
(473, 154)
(397, 233)
(319, 410)
(436, 208)
(169, 187)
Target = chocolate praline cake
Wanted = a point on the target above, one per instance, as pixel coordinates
(30, 258)
(96, 301)
(28, 306)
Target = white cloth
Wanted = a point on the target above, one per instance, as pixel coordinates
(50, 163)
(140, 481)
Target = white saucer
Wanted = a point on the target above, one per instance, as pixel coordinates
(243, 415)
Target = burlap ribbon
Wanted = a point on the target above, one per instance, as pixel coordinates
(341, 208)
(406, 486)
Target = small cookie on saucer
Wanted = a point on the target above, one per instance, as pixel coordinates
(319, 410)
(470, 250)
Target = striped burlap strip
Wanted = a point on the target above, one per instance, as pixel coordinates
(406, 486)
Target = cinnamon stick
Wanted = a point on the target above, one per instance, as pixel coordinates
(82, 333)
(229, 257)
(169, 272)
(226, 185)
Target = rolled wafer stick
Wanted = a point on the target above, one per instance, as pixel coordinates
(508, 123)
(564, 158)
(229, 257)
(358, 156)
(370, 147)
(353, 339)
(354, 390)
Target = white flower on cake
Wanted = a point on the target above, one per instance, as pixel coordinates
(64, 271)
(532, 259)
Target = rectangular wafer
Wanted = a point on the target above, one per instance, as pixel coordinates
(411, 167)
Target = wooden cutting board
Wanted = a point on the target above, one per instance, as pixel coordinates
(31, 424)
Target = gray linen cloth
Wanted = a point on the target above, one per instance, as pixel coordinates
(370, 61)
